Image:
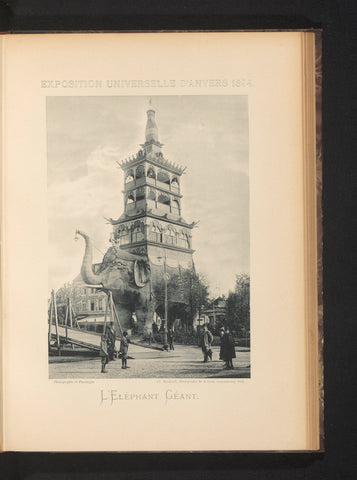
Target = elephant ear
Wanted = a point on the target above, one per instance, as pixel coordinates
(141, 272)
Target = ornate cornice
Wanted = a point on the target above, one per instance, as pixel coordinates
(151, 215)
(160, 162)
(156, 244)
(151, 185)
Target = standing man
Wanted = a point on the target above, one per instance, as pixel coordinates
(206, 342)
(124, 346)
(221, 350)
(170, 339)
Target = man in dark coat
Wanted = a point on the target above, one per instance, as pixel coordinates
(170, 339)
(228, 350)
(222, 339)
(206, 342)
(124, 346)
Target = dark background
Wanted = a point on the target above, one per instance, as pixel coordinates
(338, 19)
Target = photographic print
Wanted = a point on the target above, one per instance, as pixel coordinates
(148, 221)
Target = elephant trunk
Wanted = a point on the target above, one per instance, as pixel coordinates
(87, 271)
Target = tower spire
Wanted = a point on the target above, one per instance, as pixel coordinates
(151, 131)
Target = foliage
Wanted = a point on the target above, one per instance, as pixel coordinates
(238, 306)
(187, 292)
(180, 337)
(62, 296)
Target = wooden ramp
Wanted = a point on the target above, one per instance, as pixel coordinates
(75, 336)
(69, 334)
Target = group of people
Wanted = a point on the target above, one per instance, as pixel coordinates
(227, 351)
(169, 344)
(108, 351)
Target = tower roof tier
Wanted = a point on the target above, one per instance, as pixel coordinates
(151, 149)
(153, 187)
(125, 218)
(160, 245)
(157, 160)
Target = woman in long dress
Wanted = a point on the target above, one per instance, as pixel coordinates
(221, 349)
(228, 349)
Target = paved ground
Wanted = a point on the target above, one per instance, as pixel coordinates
(184, 362)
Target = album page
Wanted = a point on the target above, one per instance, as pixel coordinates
(153, 242)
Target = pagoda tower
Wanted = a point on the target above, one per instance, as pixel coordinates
(152, 223)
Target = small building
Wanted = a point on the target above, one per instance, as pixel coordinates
(87, 300)
(88, 304)
(214, 314)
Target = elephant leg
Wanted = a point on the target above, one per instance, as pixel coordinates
(145, 318)
(124, 314)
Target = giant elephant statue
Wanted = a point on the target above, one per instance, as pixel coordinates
(129, 277)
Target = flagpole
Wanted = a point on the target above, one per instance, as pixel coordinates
(165, 325)
(166, 345)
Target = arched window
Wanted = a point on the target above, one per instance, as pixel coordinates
(151, 173)
(125, 236)
(162, 198)
(163, 177)
(175, 207)
(182, 240)
(140, 171)
(170, 237)
(140, 193)
(130, 198)
(155, 234)
(152, 195)
(137, 233)
(175, 184)
(129, 176)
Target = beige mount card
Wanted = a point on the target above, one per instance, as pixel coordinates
(187, 316)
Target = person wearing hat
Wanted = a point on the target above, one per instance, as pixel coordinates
(221, 350)
(206, 342)
(170, 339)
(228, 349)
(124, 346)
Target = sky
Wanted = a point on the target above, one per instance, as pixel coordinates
(208, 134)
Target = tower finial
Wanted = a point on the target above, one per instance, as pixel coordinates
(151, 131)
(150, 107)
